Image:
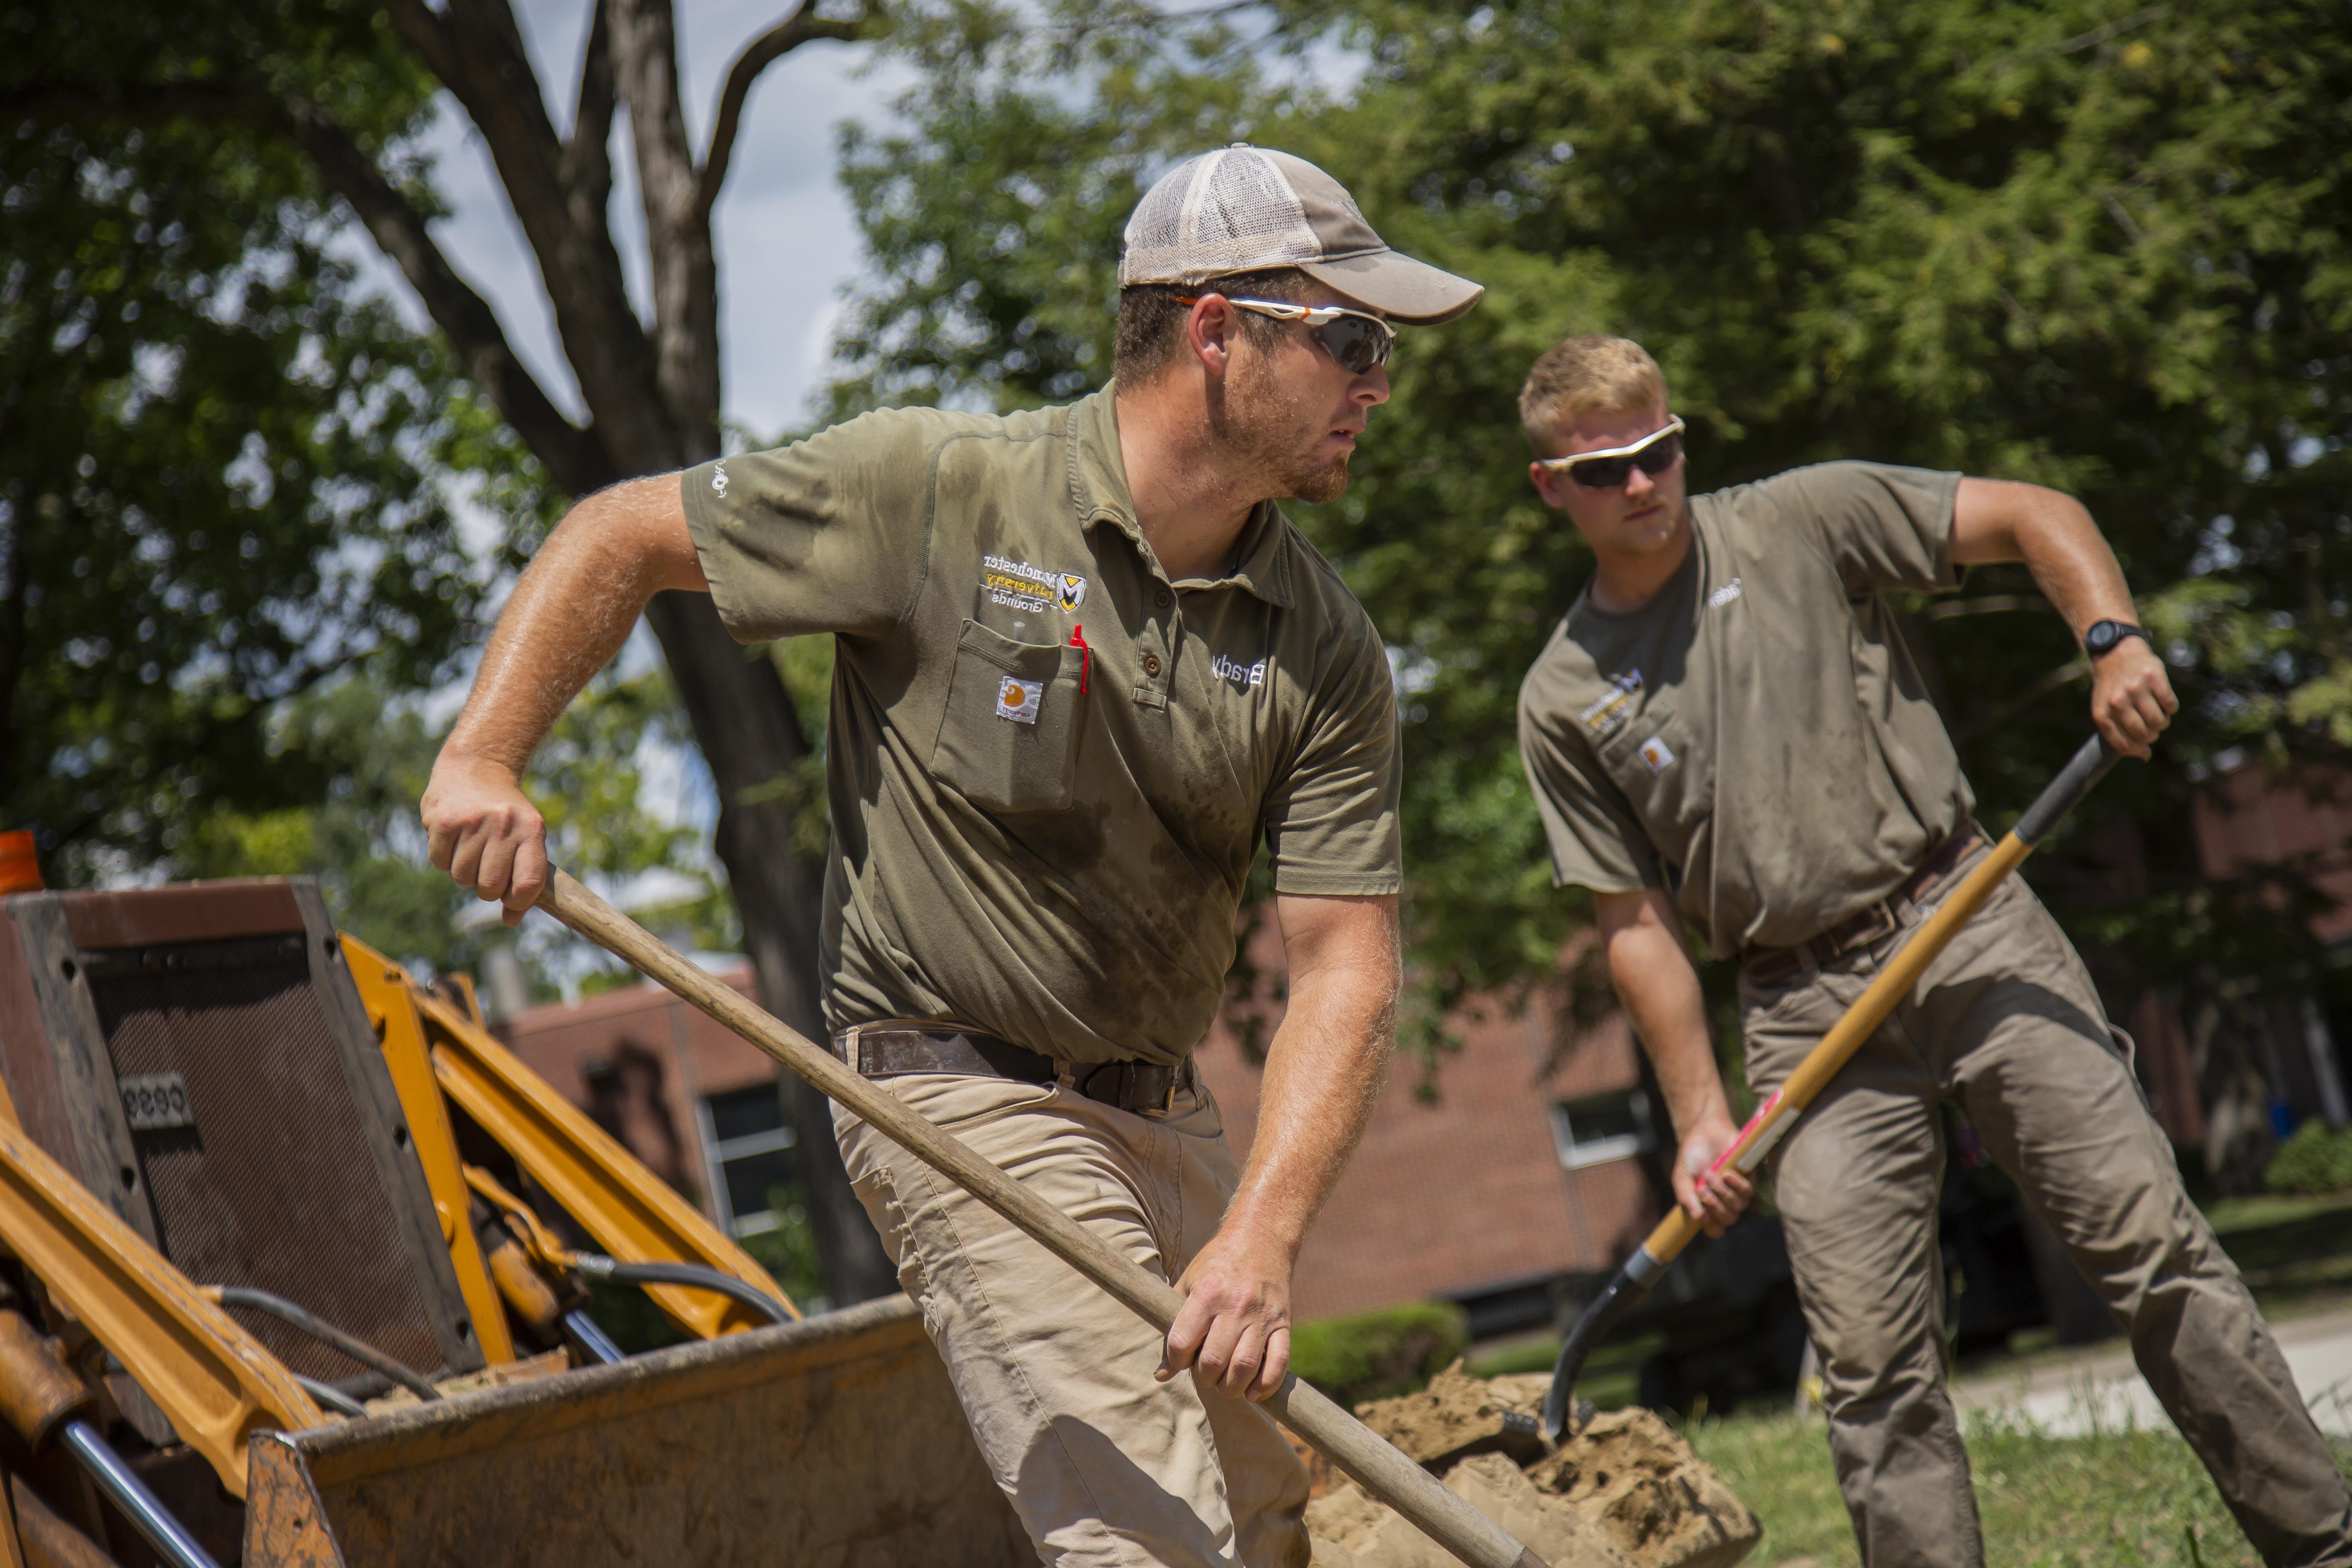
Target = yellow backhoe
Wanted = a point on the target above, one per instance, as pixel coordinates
(271, 1293)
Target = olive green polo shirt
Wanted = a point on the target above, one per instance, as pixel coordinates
(1050, 766)
(1756, 738)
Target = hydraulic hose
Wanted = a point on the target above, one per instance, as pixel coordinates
(325, 1332)
(598, 1266)
(328, 1396)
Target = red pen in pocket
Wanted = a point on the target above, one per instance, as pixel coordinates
(1085, 655)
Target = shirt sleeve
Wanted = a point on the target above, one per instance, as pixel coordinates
(825, 535)
(1596, 841)
(1885, 527)
(1331, 821)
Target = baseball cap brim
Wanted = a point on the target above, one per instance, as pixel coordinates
(1397, 285)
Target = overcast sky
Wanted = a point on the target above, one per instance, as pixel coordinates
(786, 243)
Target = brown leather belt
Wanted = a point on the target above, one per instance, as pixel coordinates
(893, 1048)
(1772, 965)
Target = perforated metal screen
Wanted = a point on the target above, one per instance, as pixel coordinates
(272, 1186)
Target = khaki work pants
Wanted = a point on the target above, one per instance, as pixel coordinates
(1104, 1465)
(2006, 1027)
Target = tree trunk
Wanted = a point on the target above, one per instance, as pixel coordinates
(750, 734)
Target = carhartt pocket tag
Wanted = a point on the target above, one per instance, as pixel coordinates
(1019, 699)
(1656, 752)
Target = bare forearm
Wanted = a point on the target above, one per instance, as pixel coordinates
(2053, 534)
(1660, 993)
(1324, 1071)
(568, 617)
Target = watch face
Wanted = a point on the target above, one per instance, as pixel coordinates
(2102, 637)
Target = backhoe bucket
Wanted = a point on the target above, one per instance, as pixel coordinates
(832, 1443)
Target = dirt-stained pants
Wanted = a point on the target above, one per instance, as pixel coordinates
(2006, 1027)
(1104, 1465)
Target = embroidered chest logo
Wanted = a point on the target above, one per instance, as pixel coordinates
(719, 481)
(1724, 594)
(1018, 585)
(1240, 674)
(1606, 714)
(1019, 699)
(1657, 753)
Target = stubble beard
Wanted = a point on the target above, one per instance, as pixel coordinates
(1269, 429)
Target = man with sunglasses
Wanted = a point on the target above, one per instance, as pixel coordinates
(1728, 733)
(1084, 667)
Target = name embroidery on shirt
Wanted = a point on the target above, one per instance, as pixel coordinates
(1018, 585)
(1724, 594)
(1606, 714)
(1240, 674)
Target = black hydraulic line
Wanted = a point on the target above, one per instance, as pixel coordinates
(694, 1275)
(325, 1333)
(329, 1395)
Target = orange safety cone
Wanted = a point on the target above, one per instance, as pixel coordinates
(20, 868)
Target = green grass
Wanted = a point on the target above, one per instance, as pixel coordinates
(2116, 1500)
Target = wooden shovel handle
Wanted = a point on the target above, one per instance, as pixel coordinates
(1373, 1463)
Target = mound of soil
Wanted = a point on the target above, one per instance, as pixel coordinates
(1623, 1491)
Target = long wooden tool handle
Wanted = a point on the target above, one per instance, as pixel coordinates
(1374, 1464)
(1775, 1116)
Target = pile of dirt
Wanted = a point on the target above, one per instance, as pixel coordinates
(1623, 1491)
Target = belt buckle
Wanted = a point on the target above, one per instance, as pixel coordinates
(1166, 1106)
(1884, 922)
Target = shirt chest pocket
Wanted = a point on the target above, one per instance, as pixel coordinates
(1667, 776)
(1009, 739)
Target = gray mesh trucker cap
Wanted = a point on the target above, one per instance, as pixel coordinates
(1244, 208)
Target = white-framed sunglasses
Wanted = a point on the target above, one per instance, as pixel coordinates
(1653, 454)
(1357, 339)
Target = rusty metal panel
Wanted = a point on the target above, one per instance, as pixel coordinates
(832, 1443)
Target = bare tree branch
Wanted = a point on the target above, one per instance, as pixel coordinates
(573, 456)
(803, 26)
(678, 226)
(586, 168)
(476, 49)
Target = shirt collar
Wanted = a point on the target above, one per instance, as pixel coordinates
(1098, 492)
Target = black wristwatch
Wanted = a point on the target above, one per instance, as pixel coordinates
(2104, 635)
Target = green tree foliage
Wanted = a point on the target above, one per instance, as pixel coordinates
(2085, 245)
(218, 459)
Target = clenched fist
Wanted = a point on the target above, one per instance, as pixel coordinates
(481, 829)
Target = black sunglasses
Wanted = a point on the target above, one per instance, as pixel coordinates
(1356, 340)
(1653, 454)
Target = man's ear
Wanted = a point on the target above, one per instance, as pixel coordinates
(1547, 485)
(1210, 332)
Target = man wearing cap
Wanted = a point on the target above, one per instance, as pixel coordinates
(1727, 731)
(1084, 667)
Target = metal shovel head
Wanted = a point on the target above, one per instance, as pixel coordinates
(834, 1443)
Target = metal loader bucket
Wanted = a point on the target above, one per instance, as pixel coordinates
(832, 1443)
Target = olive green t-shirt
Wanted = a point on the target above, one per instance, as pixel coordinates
(1049, 766)
(1756, 738)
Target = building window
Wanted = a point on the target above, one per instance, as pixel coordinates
(751, 1153)
(1602, 1127)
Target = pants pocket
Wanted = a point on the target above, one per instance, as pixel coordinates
(1009, 739)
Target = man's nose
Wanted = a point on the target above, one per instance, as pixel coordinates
(1371, 388)
(1638, 485)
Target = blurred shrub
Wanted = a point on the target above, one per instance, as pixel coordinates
(1372, 1355)
(2317, 1158)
